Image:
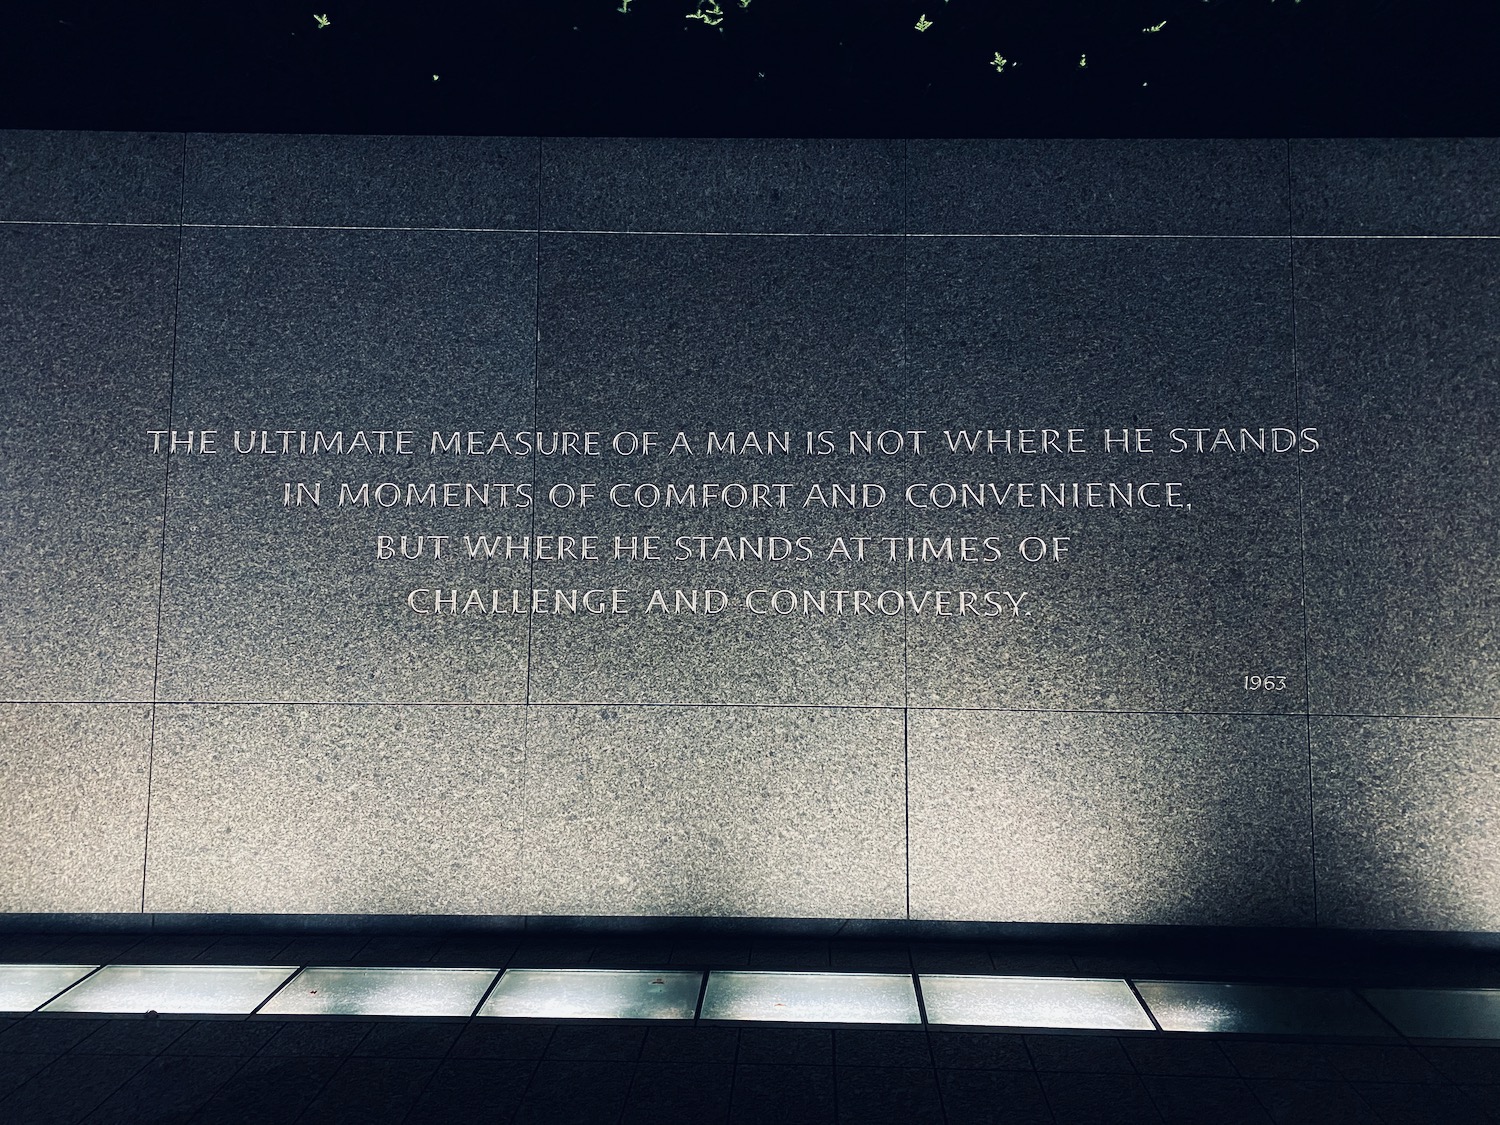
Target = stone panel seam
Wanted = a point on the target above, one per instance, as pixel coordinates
(759, 233)
(906, 565)
(84, 223)
(1312, 818)
(161, 574)
(536, 381)
(522, 888)
(700, 705)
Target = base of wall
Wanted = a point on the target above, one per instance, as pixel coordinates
(1221, 938)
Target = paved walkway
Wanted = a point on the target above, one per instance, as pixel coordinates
(56, 1069)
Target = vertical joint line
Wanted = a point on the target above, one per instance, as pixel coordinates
(536, 395)
(906, 802)
(1312, 817)
(906, 566)
(536, 350)
(166, 488)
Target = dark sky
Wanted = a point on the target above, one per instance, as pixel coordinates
(773, 67)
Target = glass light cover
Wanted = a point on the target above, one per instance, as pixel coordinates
(620, 994)
(203, 990)
(888, 998)
(1440, 1013)
(1259, 1009)
(24, 987)
(381, 992)
(1061, 1002)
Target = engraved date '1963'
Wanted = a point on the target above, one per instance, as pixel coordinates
(1265, 683)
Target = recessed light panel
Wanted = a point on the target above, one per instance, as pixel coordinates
(1259, 1009)
(23, 988)
(381, 992)
(201, 990)
(594, 994)
(1060, 1002)
(888, 998)
(1440, 1013)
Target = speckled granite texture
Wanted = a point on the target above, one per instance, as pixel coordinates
(700, 334)
(1399, 342)
(1090, 751)
(1159, 334)
(342, 331)
(73, 781)
(1442, 186)
(783, 812)
(1110, 818)
(1098, 187)
(86, 324)
(1406, 825)
(339, 181)
(367, 810)
(746, 185)
(56, 177)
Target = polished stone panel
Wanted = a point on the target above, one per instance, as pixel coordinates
(883, 998)
(381, 992)
(1385, 186)
(1150, 577)
(621, 994)
(27, 987)
(336, 810)
(1259, 1009)
(347, 332)
(751, 185)
(73, 781)
(1085, 745)
(343, 181)
(718, 339)
(1396, 347)
(55, 176)
(736, 606)
(86, 320)
(1056, 186)
(699, 333)
(1439, 1013)
(1045, 1002)
(740, 812)
(205, 990)
(1109, 818)
(1405, 822)
(1014, 333)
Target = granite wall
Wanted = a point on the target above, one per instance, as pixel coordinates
(1131, 557)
